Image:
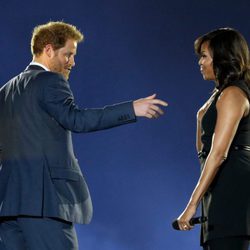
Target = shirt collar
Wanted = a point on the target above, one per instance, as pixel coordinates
(40, 65)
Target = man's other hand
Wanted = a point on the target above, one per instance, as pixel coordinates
(149, 107)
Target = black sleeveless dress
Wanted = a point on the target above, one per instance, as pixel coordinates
(226, 204)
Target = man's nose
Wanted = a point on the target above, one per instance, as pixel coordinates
(72, 62)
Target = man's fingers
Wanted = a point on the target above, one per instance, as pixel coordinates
(150, 97)
(149, 107)
(153, 113)
(157, 109)
(149, 116)
(159, 102)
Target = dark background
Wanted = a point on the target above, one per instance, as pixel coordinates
(140, 175)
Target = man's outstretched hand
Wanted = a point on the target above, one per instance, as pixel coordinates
(149, 107)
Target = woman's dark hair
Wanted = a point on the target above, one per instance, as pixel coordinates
(230, 54)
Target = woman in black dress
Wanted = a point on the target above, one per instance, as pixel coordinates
(223, 144)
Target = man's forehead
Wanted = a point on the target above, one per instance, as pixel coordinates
(70, 46)
(71, 43)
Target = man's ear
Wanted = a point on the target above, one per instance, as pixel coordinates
(48, 50)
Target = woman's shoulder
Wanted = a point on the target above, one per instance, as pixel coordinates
(236, 87)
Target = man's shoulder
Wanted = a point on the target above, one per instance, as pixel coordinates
(41, 78)
(42, 74)
(33, 78)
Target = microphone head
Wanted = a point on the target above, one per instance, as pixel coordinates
(175, 225)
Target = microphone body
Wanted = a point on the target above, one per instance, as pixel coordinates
(192, 222)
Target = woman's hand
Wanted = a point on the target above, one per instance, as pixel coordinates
(184, 218)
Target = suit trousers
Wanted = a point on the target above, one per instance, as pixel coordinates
(228, 243)
(36, 233)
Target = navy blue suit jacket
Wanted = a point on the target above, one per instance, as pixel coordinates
(39, 174)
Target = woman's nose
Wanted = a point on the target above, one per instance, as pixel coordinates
(200, 61)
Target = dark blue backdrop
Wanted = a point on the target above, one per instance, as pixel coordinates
(140, 175)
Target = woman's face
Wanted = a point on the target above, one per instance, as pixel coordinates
(206, 62)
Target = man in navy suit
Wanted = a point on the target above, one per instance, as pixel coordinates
(42, 189)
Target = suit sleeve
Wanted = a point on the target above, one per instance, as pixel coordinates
(57, 100)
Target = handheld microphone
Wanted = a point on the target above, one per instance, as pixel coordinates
(192, 222)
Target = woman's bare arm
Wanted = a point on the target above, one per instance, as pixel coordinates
(231, 107)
